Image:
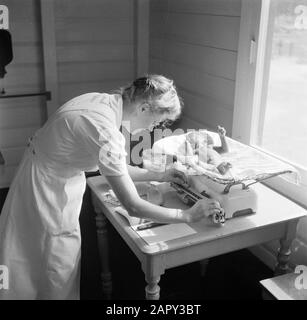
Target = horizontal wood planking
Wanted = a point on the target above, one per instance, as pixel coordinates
(97, 30)
(29, 9)
(196, 81)
(95, 51)
(71, 90)
(16, 137)
(185, 123)
(95, 71)
(207, 99)
(27, 53)
(195, 42)
(213, 7)
(24, 20)
(29, 74)
(26, 69)
(21, 117)
(12, 156)
(25, 32)
(95, 45)
(6, 175)
(89, 52)
(214, 31)
(21, 114)
(26, 37)
(206, 110)
(213, 61)
(106, 9)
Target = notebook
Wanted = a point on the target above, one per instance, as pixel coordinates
(165, 232)
(153, 232)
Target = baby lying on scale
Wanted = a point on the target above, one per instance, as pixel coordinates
(198, 150)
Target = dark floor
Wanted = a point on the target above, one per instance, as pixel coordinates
(230, 276)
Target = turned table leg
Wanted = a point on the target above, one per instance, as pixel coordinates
(283, 257)
(103, 248)
(152, 289)
(153, 268)
(284, 252)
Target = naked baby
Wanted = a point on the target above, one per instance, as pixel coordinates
(198, 151)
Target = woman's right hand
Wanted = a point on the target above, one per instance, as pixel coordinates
(201, 209)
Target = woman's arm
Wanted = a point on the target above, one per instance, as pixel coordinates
(140, 174)
(171, 175)
(127, 194)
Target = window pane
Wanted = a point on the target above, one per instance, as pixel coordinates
(283, 121)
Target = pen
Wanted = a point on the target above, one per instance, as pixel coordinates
(149, 226)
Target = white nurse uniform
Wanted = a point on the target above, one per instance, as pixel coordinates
(39, 224)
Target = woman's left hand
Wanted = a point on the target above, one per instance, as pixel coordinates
(174, 175)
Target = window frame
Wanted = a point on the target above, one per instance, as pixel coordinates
(251, 89)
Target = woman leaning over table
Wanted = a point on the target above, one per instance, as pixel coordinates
(39, 223)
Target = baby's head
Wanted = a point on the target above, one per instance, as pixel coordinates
(200, 139)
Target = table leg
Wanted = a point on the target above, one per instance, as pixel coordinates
(203, 266)
(153, 269)
(152, 289)
(103, 248)
(284, 252)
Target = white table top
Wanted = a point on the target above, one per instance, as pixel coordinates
(272, 209)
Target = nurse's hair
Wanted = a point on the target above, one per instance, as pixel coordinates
(158, 92)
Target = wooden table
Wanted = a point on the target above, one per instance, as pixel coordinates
(277, 218)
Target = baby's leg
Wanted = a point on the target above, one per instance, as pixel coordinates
(223, 167)
(216, 159)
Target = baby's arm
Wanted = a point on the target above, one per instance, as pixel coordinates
(224, 145)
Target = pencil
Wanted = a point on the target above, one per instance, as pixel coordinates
(149, 225)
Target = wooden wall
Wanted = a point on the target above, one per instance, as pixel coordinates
(95, 45)
(95, 51)
(21, 117)
(195, 42)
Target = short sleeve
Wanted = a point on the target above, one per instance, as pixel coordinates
(104, 142)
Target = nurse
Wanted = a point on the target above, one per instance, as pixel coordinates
(39, 224)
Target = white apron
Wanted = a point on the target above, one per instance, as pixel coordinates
(39, 225)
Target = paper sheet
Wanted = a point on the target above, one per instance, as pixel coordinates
(165, 233)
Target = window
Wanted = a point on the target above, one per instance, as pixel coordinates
(271, 88)
(282, 126)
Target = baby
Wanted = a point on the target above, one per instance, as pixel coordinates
(199, 150)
